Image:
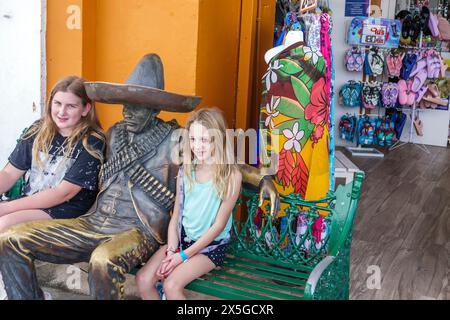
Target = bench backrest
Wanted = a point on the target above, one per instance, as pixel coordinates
(302, 233)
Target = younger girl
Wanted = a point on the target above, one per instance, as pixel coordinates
(207, 189)
(62, 152)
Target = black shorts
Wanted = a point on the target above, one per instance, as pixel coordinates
(216, 256)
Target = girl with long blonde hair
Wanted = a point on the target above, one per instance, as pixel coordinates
(208, 186)
(61, 154)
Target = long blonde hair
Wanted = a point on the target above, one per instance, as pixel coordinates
(224, 165)
(45, 129)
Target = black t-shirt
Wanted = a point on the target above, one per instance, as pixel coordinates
(81, 169)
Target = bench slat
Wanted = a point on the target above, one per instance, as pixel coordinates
(221, 291)
(251, 256)
(298, 274)
(275, 286)
(244, 284)
(267, 275)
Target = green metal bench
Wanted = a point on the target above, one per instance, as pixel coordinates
(17, 189)
(268, 261)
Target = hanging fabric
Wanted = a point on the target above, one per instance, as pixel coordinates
(294, 102)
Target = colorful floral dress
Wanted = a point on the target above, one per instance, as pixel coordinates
(295, 111)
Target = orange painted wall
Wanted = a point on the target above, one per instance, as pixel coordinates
(63, 46)
(217, 56)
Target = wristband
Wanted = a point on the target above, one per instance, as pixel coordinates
(183, 255)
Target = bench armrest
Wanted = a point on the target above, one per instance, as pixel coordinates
(316, 274)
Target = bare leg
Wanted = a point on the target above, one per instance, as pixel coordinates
(185, 273)
(146, 277)
(14, 218)
(17, 217)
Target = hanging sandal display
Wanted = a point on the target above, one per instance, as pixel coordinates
(418, 125)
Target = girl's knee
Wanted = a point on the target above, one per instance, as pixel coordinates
(172, 287)
(145, 279)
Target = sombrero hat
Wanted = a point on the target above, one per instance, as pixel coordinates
(144, 87)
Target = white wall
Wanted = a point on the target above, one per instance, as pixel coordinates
(21, 59)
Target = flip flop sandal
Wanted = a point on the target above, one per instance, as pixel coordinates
(389, 94)
(424, 20)
(434, 65)
(376, 61)
(406, 25)
(402, 92)
(418, 125)
(353, 60)
(390, 63)
(419, 80)
(411, 94)
(434, 90)
(428, 104)
(433, 25)
(367, 69)
(422, 104)
(398, 61)
(349, 61)
(415, 28)
(419, 66)
(435, 102)
(408, 64)
(394, 63)
(402, 15)
(444, 68)
(399, 125)
(421, 93)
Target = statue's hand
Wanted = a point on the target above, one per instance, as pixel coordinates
(267, 190)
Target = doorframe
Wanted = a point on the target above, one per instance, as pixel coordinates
(43, 55)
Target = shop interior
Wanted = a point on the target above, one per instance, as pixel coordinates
(389, 117)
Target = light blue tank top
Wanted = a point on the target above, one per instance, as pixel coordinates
(201, 205)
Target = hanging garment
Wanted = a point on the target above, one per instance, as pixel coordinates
(312, 30)
(295, 103)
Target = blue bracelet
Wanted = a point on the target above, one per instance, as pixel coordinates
(183, 255)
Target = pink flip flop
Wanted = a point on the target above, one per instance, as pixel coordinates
(402, 92)
(444, 67)
(411, 95)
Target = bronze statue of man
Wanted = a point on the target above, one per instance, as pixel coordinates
(130, 217)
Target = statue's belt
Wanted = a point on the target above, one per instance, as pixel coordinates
(158, 192)
(129, 153)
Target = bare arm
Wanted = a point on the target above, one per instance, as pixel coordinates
(42, 200)
(8, 176)
(172, 234)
